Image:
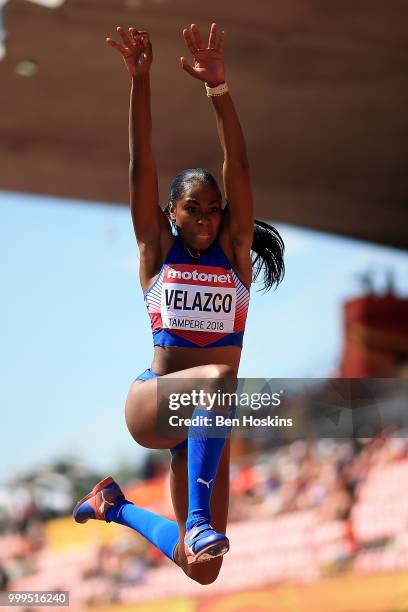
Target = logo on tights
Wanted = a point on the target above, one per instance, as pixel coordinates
(207, 484)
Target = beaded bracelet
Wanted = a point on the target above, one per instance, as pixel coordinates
(219, 90)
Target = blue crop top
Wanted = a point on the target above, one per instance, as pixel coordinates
(197, 303)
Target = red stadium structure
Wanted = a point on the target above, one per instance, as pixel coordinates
(375, 337)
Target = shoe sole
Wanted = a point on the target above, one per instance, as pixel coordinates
(212, 551)
(100, 485)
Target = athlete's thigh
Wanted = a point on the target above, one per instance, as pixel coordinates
(141, 409)
(141, 414)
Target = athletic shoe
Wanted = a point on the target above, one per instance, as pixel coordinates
(202, 543)
(95, 505)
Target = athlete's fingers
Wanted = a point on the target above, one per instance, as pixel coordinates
(115, 45)
(133, 33)
(124, 36)
(213, 36)
(137, 40)
(197, 38)
(147, 46)
(221, 42)
(146, 40)
(142, 33)
(141, 37)
(189, 41)
(186, 66)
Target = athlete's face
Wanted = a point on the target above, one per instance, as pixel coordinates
(198, 215)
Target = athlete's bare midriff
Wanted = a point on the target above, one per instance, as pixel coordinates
(168, 359)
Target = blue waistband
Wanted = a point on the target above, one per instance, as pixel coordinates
(162, 337)
(146, 375)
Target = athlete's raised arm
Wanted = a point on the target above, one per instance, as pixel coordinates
(209, 67)
(148, 218)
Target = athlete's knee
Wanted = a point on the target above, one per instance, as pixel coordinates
(220, 370)
(138, 424)
(220, 377)
(206, 579)
(221, 380)
(133, 424)
(205, 573)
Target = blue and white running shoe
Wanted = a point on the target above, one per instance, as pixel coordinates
(202, 543)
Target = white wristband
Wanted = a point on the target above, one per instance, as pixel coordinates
(219, 90)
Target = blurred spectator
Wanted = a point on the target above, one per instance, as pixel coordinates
(4, 579)
(324, 475)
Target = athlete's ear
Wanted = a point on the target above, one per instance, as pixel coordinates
(172, 211)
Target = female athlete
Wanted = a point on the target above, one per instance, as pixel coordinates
(197, 262)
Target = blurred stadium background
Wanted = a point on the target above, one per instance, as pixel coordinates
(315, 525)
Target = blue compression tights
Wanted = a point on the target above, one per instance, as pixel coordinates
(160, 531)
(204, 453)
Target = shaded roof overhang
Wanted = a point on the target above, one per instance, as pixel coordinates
(321, 89)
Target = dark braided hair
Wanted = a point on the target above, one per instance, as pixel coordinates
(267, 254)
(267, 244)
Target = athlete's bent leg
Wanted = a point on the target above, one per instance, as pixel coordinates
(202, 541)
(106, 502)
(204, 573)
(141, 410)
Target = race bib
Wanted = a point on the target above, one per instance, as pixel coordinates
(198, 298)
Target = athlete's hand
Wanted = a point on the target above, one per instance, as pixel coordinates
(136, 50)
(208, 62)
